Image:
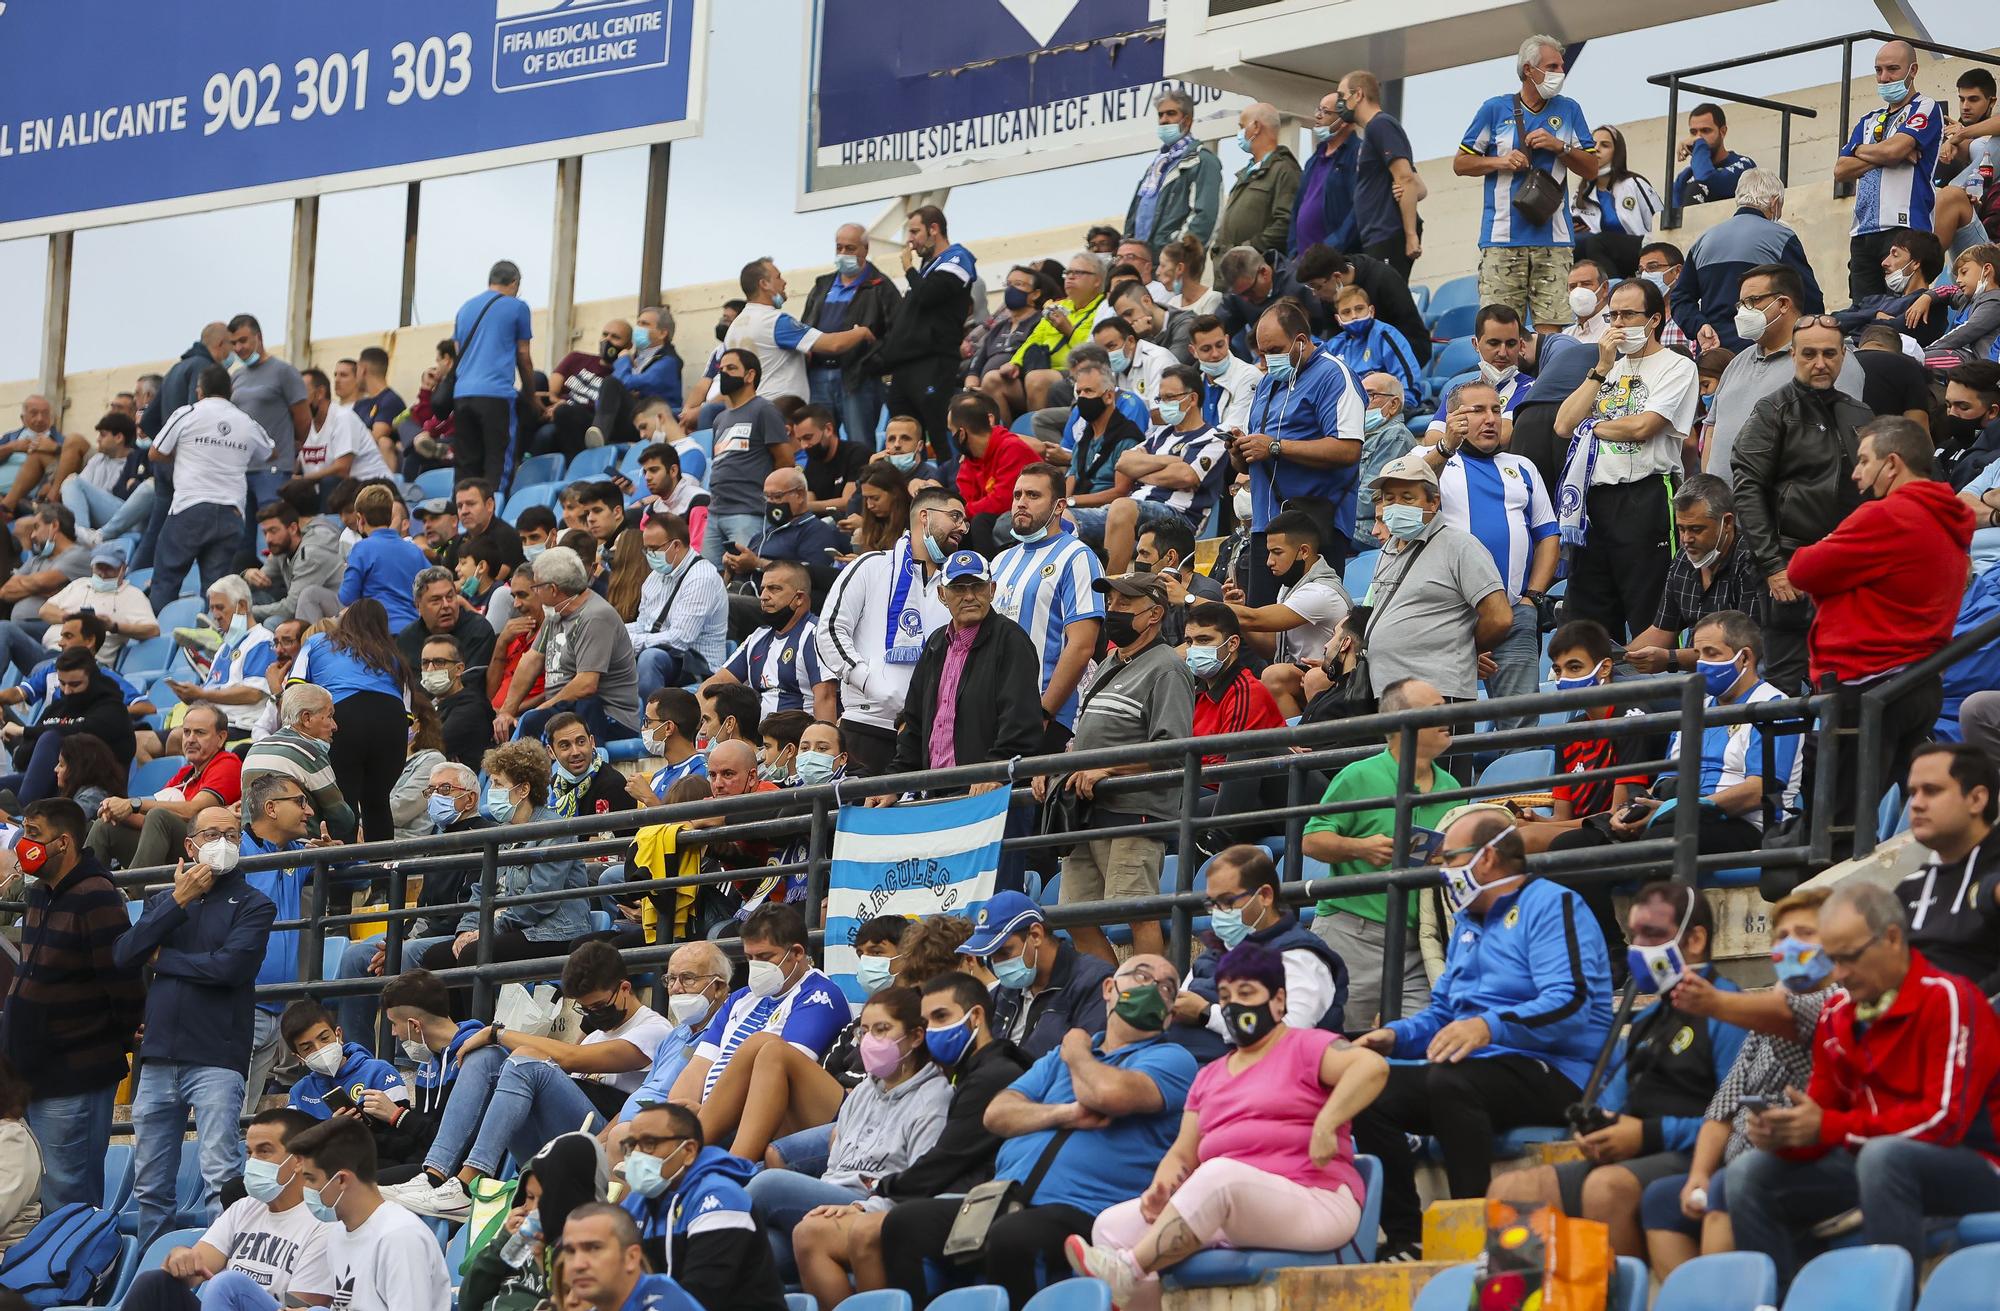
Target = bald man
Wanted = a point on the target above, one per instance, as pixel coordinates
(791, 530)
(583, 411)
(1258, 213)
(854, 295)
(36, 450)
(1898, 143)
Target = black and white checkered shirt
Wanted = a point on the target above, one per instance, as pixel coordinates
(1683, 600)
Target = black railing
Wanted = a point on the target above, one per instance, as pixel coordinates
(1869, 784)
(1677, 82)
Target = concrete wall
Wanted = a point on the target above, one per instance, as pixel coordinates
(1451, 235)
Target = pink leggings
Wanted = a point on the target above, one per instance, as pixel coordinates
(1230, 1204)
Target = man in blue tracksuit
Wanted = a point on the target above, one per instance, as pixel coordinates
(1515, 1022)
(1663, 1076)
(681, 1190)
(204, 938)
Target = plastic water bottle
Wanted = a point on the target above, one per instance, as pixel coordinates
(520, 1249)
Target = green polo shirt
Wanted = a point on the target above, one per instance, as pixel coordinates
(1374, 777)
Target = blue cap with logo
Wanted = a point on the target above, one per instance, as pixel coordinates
(1003, 915)
(967, 564)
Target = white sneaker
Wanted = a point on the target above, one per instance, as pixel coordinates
(1105, 1264)
(593, 437)
(447, 1201)
(88, 536)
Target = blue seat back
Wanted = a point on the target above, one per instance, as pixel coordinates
(1629, 1283)
(1873, 1278)
(155, 774)
(145, 659)
(538, 469)
(1453, 323)
(881, 1299)
(1458, 356)
(979, 1297)
(1458, 291)
(1964, 1281)
(1072, 1295)
(1358, 573)
(1726, 1281)
(596, 462)
(181, 613)
(1518, 765)
(801, 1302)
(433, 483)
(524, 496)
(155, 1256)
(1448, 1290)
(118, 1169)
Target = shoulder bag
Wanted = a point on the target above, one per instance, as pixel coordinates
(444, 392)
(1360, 689)
(1537, 195)
(996, 1197)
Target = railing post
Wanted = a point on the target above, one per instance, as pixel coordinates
(1671, 218)
(482, 952)
(311, 954)
(1826, 782)
(1785, 147)
(1295, 827)
(1846, 107)
(1687, 783)
(1396, 920)
(1868, 780)
(817, 878)
(1180, 942)
(394, 933)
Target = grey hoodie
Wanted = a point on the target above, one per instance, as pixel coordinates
(881, 1130)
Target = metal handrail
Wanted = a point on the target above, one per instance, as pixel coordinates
(1869, 785)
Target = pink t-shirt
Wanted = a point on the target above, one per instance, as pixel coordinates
(1264, 1116)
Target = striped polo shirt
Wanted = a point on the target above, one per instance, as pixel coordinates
(1045, 587)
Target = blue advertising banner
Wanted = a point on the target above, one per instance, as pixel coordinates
(115, 110)
(907, 98)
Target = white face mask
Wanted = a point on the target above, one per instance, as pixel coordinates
(325, 1061)
(220, 855)
(1631, 340)
(419, 1053)
(1899, 280)
(1752, 324)
(766, 979)
(1582, 302)
(684, 1008)
(1553, 82)
(1496, 376)
(436, 681)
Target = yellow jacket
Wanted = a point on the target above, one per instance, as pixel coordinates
(655, 851)
(1045, 334)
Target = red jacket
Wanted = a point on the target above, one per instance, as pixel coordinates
(988, 484)
(1924, 1070)
(1243, 704)
(1888, 581)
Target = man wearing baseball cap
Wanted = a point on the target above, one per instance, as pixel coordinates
(976, 692)
(1437, 600)
(1142, 693)
(1046, 987)
(440, 537)
(106, 593)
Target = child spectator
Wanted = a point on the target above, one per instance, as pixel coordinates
(1367, 345)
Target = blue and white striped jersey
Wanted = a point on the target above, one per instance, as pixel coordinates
(1203, 450)
(1045, 587)
(1500, 500)
(1731, 753)
(1900, 195)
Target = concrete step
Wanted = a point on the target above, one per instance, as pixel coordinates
(1317, 1288)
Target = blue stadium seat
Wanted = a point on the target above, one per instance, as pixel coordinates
(628, 459)
(595, 463)
(801, 1302)
(1516, 766)
(539, 469)
(1359, 573)
(146, 658)
(153, 775)
(1456, 292)
(1070, 1295)
(1976, 1229)
(1629, 1284)
(432, 483)
(181, 613)
(1448, 1290)
(882, 1299)
(600, 921)
(1964, 1281)
(1458, 356)
(155, 1256)
(140, 578)
(1873, 1278)
(1726, 1281)
(1220, 1266)
(524, 496)
(454, 1251)
(1420, 295)
(695, 463)
(1453, 323)
(630, 748)
(117, 1176)
(335, 947)
(979, 1297)
(705, 439)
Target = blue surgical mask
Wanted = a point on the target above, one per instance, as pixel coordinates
(1892, 92)
(932, 549)
(1403, 521)
(568, 775)
(872, 973)
(1017, 973)
(1229, 926)
(947, 1045)
(777, 300)
(1015, 298)
(1169, 132)
(1372, 420)
(657, 562)
(847, 265)
(1120, 361)
(1278, 367)
(1665, 965)
(1800, 966)
(642, 337)
(1657, 277)
(101, 584)
(816, 766)
(905, 461)
(499, 802)
(441, 811)
(1214, 368)
(249, 361)
(1571, 684)
(260, 1179)
(1204, 661)
(1358, 327)
(532, 553)
(1321, 135)
(645, 1175)
(1719, 675)
(238, 624)
(1172, 412)
(1243, 143)
(1033, 535)
(322, 1210)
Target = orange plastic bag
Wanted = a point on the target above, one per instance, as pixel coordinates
(1538, 1259)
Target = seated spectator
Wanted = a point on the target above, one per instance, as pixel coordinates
(298, 751)
(778, 748)
(1356, 842)
(266, 1250)
(1177, 472)
(1680, 1211)
(1136, 365)
(975, 693)
(1971, 431)
(585, 782)
(1158, 326)
(1954, 798)
(990, 462)
(1385, 437)
(1033, 379)
(990, 345)
(730, 712)
(1589, 300)
(682, 630)
(1367, 345)
(1228, 698)
(49, 560)
(520, 773)
(1663, 1074)
(1894, 1118)
(439, 538)
(275, 820)
(1265, 1151)
(465, 717)
(237, 677)
(567, 1174)
(343, 1076)
(418, 1008)
(670, 487)
(384, 564)
(786, 1004)
(835, 1242)
(87, 773)
(781, 659)
(140, 832)
(789, 532)
(703, 1197)
(379, 1255)
(673, 717)
(1166, 547)
(1977, 274)
(889, 1120)
(882, 503)
(1243, 906)
(1044, 986)
(1293, 631)
(586, 652)
(441, 612)
(105, 593)
(86, 701)
(112, 494)
(1580, 655)
(1714, 570)
(1182, 263)
(1119, 1095)
(1510, 1033)
(1097, 438)
(1713, 169)
(39, 684)
(831, 464)
(697, 985)
(1910, 302)
(542, 1088)
(408, 804)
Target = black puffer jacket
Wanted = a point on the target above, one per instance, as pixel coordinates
(999, 703)
(1793, 470)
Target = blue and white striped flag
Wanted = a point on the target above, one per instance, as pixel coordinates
(912, 859)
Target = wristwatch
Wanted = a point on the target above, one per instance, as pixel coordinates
(1598, 376)
(1276, 442)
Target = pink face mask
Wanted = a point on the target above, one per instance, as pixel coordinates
(880, 1056)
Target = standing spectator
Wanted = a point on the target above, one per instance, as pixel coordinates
(1143, 693)
(1517, 1017)
(297, 749)
(682, 628)
(383, 566)
(855, 295)
(1258, 213)
(1630, 418)
(378, 405)
(1176, 473)
(1324, 213)
(439, 614)
(370, 683)
(1387, 189)
(874, 622)
(1617, 208)
(71, 1007)
(1714, 570)
(140, 832)
(301, 556)
(1773, 303)
(211, 448)
(582, 652)
(1182, 186)
(465, 717)
(1788, 467)
(1890, 157)
(1661, 263)
(920, 352)
(974, 695)
(1045, 582)
(1903, 1083)
(177, 388)
(204, 938)
(990, 462)
(1228, 697)
(279, 820)
(1521, 262)
(1713, 169)
(751, 440)
(779, 342)
(273, 394)
(1710, 303)
(1886, 583)
(1305, 435)
(781, 659)
(491, 333)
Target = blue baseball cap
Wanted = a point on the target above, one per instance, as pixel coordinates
(967, 564)
(1003, 915)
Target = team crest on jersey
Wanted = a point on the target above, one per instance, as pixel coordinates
(1513, 917)
(1049, 570)
(1509, 471)
(1682, 1040)
(1631, 202)
(788, 653)
(1555, 122)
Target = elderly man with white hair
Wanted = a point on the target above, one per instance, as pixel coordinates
(1705, 299)
(298, 750)
(1258, 212)
(855, 295)
(697, 985)
(582, 657)
(237, 677)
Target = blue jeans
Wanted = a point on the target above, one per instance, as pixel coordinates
(356, 1015)
(740, 529)
(263, 490)
(805, 1152)
(74, 1132)
(414, 949)
(167, 1091)
(206, 534)
(96, 508)
(156, 519)
(1089, 521)
(533, 1101)
(859, 406)
(232, 1290)
(1895, 1181)
(21, 643)
(591, 710)
(1519, 656)
(465, 1108)
(779, 1199)
(37, 779)
(663, 666)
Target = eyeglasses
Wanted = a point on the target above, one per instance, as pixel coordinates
(1141, 975)
(1229, 901)
(690, 982)
(296, 799)
(1080, 273)
(445, 663)
(446, 790)
(1817, 321)
(1627, 316)
(208, 835)
(1752, 302)
(1850, 957)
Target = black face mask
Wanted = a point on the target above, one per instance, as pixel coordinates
(1957, 431)
(1246, 1025)
(731, 383)
(608, 350)
(778, 513)
(599, 1019)
(1120, 627)
(1291, 576)
(1091, 407)
(1343, 111)
(721, 331)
